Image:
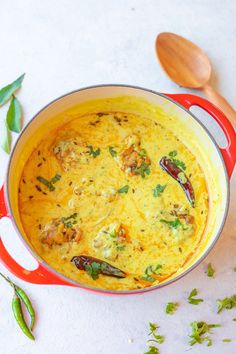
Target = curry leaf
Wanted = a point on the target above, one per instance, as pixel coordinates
(7, 91)
(5, 139)
(112, 151)
(14, 115)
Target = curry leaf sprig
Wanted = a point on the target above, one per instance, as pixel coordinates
(21, 297)
(13, 118)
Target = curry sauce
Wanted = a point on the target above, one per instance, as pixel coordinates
(95, 187)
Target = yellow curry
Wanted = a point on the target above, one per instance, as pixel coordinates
(113, 200)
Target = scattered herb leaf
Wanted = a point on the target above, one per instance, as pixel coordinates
(143, 169)
(69, 221)
(173, 153)
(199, 329)
(93, 152)
(14, 115)
(157, 338)
(149, 271)
(152, 350)
(234, 319)
(158, 190)
(171, 307)
(193, 301)
(124, 189)
(226, 340)
(112, 151)
(49, 184)
(95, 269)
(175, 224)
(210, 271)
(7, 91)
(56, 178)
(235, 269)
(226, 304)
(180, 164)
(143, 153)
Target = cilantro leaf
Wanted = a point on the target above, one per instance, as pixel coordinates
(175, 224)
(14, 115)
(210, 271)
(156, 337)
(149, 271)
(93, 152)
(143, 170)
(179, 163)
(173, 153)
(93, 270)
(124, 189)
(152, 350)
(193, 301)
(226, 304)
(112, 151)
(7, 91)
(199, 329)
(171, 307)
(226, 340)
(158, 190)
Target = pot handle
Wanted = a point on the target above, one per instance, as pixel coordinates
(38, 276)
(228, 153)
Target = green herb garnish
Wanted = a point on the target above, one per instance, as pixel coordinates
(179, 163)
(95, 269)
(69, 221)
(143, 170)
(14, 115)
(93, 152)
(6, 139)
(152, 350)
(226, 340)
(193, 301)
(49, 184)
(171, 307)
(158, 190)
(124, 189)
(173, 153)
(143, 153)
(199, 329)
(234, 269)
(175, 224)
(157, 338)
(112, 151)
(210, 270)
(150, 270)
(234, 319)
(7, 91)
(226, 304)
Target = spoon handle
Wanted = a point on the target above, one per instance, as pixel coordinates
(220, 102)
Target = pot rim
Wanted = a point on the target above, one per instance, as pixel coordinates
(95, 289)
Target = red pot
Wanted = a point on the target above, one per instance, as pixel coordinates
(181, 103)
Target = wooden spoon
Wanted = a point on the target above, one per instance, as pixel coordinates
(188, 66)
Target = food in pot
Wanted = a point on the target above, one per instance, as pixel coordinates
(116, 193)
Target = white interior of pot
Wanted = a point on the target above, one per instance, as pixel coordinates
(174, 117)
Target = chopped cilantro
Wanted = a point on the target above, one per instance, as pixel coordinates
(112, 151)
(149, 271)
(226, 340)
(143, 169)
(175, 224)
(93, 152)
(199, 329)
(210, 271)
(158, 190)
(234, 269)
(157, 338)
(173, 153)
(69, 221)
(234, 319)
(193, 301)
(120, 247)
(179, 163)
(226, 304)
(95, 269)
(171, 307)
(49, 184)
(124, 189)
(152, 350)
(143, 153)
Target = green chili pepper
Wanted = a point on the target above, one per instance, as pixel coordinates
(20, 292)
(21, 295)
(17, 311)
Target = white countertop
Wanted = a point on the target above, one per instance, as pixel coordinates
(64, 45)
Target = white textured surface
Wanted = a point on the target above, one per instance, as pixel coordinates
(64, 45)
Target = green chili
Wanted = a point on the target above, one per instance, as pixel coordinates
(20, 292)
(18, 314)
(21, 295)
